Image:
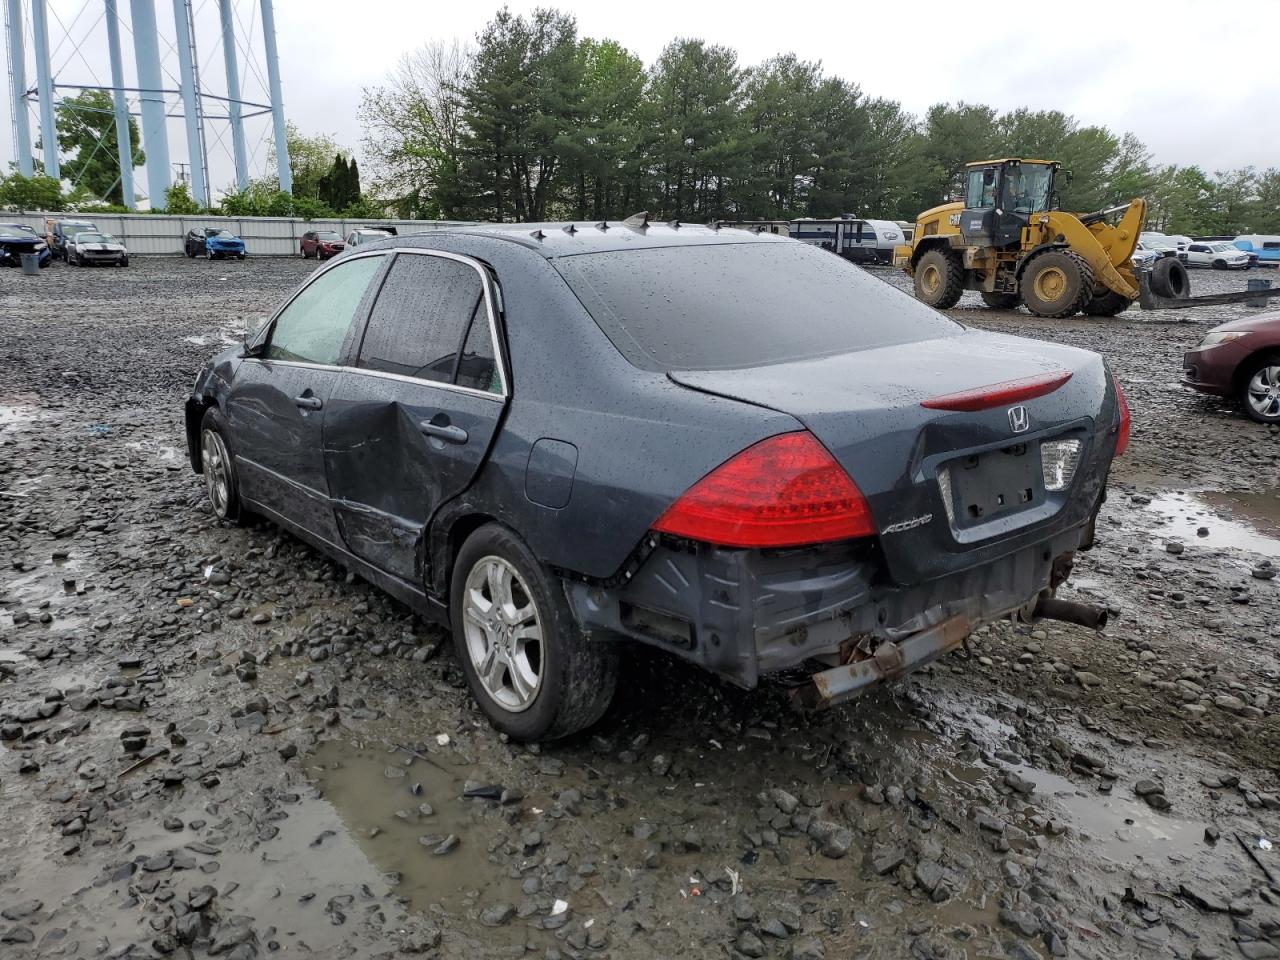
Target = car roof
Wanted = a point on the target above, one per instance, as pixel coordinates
(566, 239)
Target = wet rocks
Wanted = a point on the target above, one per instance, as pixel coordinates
(497, 915)
(1153, 793)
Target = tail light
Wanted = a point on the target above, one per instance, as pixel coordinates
(785, 491)
(1122, 433)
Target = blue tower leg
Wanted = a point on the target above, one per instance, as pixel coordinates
(233, 93)
(18, 89)
(277, 99)
(44, 86)
(146, 51)
(121, 107)
(190, 102)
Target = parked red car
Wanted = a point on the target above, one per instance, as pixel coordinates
(321, 244)
(1240, 359)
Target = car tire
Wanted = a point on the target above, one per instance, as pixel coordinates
(1001, 301)
(124, 261)
(1108, 304)
(939, 279)
(1219, 264)
(241, 256)
(1259, 390)
(538, 689)
(190, 252)
(1056, 284)
(221, 482)
(1169, 279)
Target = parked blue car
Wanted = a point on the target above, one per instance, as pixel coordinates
(214, 243)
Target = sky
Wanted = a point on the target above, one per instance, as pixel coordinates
(1192, 80)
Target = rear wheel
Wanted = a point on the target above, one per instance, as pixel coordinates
(1219, 264)
(534, 674)
(1056, 284)
(1169, 279)
(1001, 301)
(1108, 304)
(939, 279)
(1260, 389)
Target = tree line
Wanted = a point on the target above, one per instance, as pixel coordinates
(534, 122)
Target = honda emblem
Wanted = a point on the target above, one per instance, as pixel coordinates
(1019, 421)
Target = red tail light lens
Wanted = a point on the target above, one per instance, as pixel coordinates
(782, 492)
(1122, 435)
(999, 394)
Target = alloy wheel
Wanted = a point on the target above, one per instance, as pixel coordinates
(503, 633)
(217, 470)
(1263, 392)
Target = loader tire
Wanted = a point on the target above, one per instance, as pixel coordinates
(1001, 301)
(939, 279)
(1169, 278)
(1056, 284)
(1107, 304)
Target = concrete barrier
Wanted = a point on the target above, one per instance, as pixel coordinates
(159, 234)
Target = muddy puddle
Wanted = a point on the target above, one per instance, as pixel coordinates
(1222, 519)
(408, 817)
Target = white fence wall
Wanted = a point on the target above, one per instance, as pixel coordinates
(147, 234)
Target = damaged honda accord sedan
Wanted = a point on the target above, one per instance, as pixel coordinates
(731, 446)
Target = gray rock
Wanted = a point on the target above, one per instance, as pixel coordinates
(497, 915)
(808, 948)
(1021, 921)
(749, 945)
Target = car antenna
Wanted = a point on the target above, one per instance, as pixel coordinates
(602, 225)
(537, 234)
(674, 224)
(637, 221)
(570, 229)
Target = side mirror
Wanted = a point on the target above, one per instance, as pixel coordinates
(251, 349)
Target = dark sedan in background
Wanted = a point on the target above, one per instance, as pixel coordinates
(731, 446)
(214, 243)
(1240, 360)
(17, 239)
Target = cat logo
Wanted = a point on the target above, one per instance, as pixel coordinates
(954, 220)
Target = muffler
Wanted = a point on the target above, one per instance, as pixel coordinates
(1071, 611)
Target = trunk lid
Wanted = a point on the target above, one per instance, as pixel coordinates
(865, 407)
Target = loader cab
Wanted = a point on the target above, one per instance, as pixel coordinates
(1000, 198)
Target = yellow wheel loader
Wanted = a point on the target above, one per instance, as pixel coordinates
(1007, 241)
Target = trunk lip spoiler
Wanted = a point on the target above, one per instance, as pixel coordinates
(999, 394)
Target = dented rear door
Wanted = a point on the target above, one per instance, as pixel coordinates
(409, 423)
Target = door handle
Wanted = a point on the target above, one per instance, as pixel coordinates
(444, 431)
(309, 403)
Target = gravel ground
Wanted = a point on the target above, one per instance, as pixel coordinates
(215, 742)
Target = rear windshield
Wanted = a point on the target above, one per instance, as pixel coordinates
(729, 306)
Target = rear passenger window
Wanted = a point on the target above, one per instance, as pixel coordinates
(420, 318)
(478, 367)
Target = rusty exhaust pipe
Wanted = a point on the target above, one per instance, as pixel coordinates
(1071, 611)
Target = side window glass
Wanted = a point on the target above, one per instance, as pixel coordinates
(478, 367)
(311, 329)
(418, 323)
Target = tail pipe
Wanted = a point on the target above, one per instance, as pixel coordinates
(1071, 611)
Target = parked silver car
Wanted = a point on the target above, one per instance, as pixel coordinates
(90, 248)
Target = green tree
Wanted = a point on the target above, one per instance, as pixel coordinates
(697, 135)
(87, 138)
(520, 107)
(30, 193)
(310, 158)
(178, 200)
(413, 131)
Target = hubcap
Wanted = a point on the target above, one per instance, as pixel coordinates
(1263, 392)
(503, 633)
(930, 279)
(217, 470)
(1051, 284)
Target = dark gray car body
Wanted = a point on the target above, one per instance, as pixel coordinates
(583, 450)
